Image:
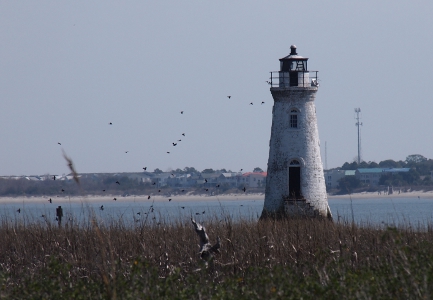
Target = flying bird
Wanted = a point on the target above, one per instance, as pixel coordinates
(181, 112)
(49, 200)
(205, 180)
(59, 143)
(115, 199)
(126, 151)
(118, 182)
(183, 207)
(251, 103)
(203, 212)
(183, 134)
(229, 97)
(168, 152)
(102, 207)
(110, 123)
(148, 197)
(154, 183)
(169, 200)
(197, 213)
(103, 190)
(43, 216)
(174, 144)
(179, 140)
(159, 191)
(145, 168)
(139, 213)
(54, 177)
(244, 189)
(218, 185)
(206, 190)
(19, 210)
(63, 190)
(263, 102)
(183, 190)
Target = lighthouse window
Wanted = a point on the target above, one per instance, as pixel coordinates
(293, 118)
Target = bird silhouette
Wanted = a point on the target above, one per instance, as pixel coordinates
(183, 207)
(181, 112)
(268, 82)
(203, 212)
(179, 140)
(102, 207)
(218, 185)
(229, 97)
(251, 103)
(154, 183)
(183, 134)
(43, 216)
(159, 191)
(63, 190)
(118, 182)
(139, 213)
(148, 197)
(197, 213)
(19, 210)
(244, 189)
(206, 190)
(174, 144)
(54, 177)
(145, 168)
(263, 102)
(115, 199)
(126, 151)
(110, 123)
(168, 152)
(169, 200)
(205, 180)
(59, 143)
(103, 190)
(183, 190)
(49, 200)
(241, 170)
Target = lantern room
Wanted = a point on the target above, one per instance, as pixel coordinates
(293, 70)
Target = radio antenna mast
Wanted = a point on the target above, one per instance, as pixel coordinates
(358, 124)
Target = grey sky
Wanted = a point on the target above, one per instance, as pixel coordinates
(68, 68)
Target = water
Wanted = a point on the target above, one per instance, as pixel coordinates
(376, 211)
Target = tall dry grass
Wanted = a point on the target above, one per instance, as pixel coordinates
(286, 258)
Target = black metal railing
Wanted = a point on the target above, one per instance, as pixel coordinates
(293, 79)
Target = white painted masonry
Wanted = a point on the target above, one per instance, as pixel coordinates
(301, 144)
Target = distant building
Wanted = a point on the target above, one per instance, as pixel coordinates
(371, 176)
(333, 176)
(253, 179)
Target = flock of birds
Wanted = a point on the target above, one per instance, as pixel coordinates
(174, 144)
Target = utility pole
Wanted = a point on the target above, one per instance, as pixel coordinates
(358, 124)
(326, 157)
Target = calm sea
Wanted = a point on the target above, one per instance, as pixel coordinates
(376, 211)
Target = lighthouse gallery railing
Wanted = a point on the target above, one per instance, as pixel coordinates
(294, 79)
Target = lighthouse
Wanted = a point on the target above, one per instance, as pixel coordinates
(295, 184)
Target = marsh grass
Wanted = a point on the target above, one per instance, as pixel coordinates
(258, 260)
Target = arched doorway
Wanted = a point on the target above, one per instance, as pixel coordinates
(295, 180)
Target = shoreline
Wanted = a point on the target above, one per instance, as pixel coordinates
(224, 197)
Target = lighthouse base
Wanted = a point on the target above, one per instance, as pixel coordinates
(296, 208)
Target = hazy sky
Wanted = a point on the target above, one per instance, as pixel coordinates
(68, 68)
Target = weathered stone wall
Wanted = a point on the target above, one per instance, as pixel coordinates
(301, 143)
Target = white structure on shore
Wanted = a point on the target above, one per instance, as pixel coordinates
(295, 184)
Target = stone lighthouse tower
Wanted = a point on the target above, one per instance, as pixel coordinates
(295, 184)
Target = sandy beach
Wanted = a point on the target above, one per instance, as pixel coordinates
(228, 197)
(143, 198)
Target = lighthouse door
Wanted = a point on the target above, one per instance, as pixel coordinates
(294, 180)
